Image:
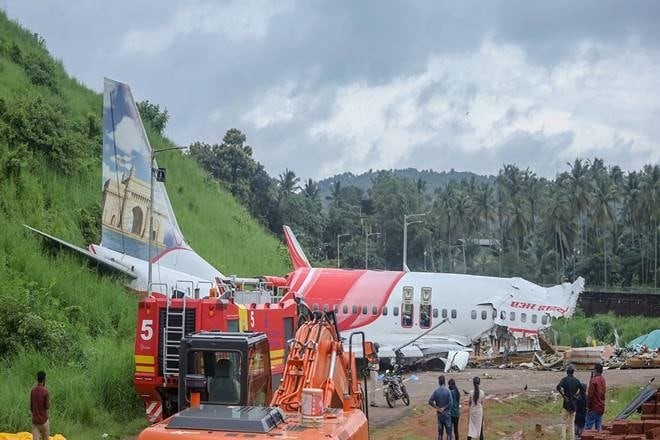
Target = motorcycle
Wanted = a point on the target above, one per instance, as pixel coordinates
(394, 388)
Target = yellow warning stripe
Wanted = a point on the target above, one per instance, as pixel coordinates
(277, 353)
(144, 369)
(242, 318)
(144, 359)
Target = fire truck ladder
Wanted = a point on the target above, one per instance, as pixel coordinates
(174, 330)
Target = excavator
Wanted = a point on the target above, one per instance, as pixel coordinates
(225, 389)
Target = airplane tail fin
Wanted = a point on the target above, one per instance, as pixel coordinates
(298, 257)
(126, 183)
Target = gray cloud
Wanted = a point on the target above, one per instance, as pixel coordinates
(323, 87)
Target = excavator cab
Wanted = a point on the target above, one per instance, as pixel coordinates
(225, 369)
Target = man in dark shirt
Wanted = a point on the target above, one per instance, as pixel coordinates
(39, 404)
(596, 399)
(569, 388)
(441, 400)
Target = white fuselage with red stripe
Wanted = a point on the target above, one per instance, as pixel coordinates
(374, 302)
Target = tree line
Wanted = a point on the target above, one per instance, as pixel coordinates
(593, 220)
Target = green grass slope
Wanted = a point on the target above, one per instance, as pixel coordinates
(56, 313)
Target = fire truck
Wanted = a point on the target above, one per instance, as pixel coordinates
(228, 305)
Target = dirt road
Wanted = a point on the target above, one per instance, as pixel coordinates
(494, 382)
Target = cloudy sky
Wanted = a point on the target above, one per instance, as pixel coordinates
(323, 87)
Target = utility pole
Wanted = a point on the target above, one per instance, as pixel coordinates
(159, 174)
(405, 236)
(338, 237)
(366, 247)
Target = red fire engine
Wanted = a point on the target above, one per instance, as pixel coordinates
(231, 306)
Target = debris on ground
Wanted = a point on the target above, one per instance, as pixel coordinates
(642, 353)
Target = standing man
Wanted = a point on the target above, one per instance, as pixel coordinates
(373, 375)
(596, 399)
(569, 388)
(442, 401)
(39, 405)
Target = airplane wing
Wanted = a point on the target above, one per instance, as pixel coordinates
(108, 264)
(298, 257)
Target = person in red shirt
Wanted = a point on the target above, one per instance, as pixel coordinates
(596, 400)
(39, 405)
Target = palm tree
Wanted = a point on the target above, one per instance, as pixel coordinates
(558, 221)
(462, 213)
(650, 205)
(444, 205)
(311, 189)
(483, 209)
(580, 185)
(605, 195)
(288, 183)
(519, 221)
(335, 193)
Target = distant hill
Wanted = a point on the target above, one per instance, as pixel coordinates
(432, 178)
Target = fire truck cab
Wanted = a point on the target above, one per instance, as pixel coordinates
(164, 320)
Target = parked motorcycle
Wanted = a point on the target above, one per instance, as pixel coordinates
(394, 388)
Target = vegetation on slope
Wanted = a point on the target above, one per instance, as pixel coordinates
(56, 313)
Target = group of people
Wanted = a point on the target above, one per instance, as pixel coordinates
(446, 402)
(583, 407)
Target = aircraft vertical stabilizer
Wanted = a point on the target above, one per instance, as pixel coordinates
(298, 257)
(126, 183)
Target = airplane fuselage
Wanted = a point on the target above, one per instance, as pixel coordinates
(396, 307)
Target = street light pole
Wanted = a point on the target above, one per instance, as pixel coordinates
(338, 237)
(366, 247)
(153, 171)
(405, 236)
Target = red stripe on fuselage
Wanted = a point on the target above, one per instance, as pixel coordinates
(352, 288)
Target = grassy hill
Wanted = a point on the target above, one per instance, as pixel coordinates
(56, 313)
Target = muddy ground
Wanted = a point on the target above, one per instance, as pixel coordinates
(500, 386)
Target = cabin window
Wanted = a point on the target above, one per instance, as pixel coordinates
(435, 313)
(384, 310)
(396, 311)
(512, 316)
(326, 308)
(544, 319)
(425, 315)
(407, 315)
(523, 317)
(335, 309)
(315, 307)
(344, 309)
(494, 313)
(453, 313)
(374, 310)
(503, 315)
(355, 310)
(364, 310)
(473, 314)
(444, 313)
(535, 318)
(484, 314)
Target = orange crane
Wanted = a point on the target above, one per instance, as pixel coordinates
(227, 385)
